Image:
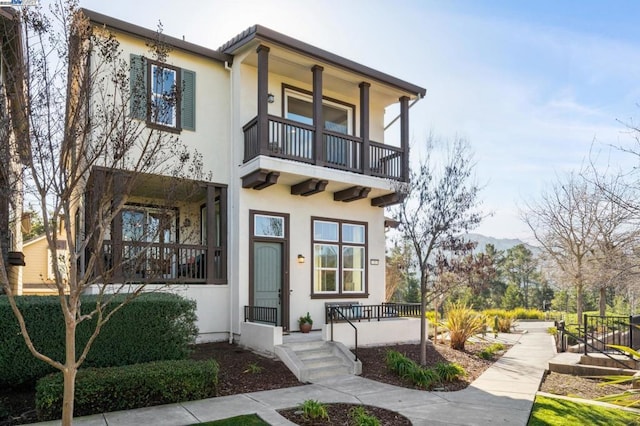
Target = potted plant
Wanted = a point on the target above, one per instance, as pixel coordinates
(305, 322)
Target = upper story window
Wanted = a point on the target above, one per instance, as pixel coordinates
(339, 257)
(162, 95)
(338, 117)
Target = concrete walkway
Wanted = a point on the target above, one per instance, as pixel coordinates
(503, 394)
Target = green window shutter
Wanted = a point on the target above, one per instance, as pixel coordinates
(138, 84)
(188, 100)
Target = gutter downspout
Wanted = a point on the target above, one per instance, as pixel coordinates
(229, 204)
(398, 116)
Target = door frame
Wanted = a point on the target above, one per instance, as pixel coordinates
(284, 298)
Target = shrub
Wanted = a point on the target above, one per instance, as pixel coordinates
(99, 390)
(462, 323)
(534, 314)
(314, 410)
(400, 364)
(155, 326)
(449, 371)
(490, 351)
(505, 324)
(420, 376)
(360, 417)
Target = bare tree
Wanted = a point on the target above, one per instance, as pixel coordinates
(80, 138)
(567, 222)
(441, 203)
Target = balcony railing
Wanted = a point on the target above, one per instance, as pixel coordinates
(295, 141)
(161, 263)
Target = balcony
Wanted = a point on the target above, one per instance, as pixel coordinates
(295, 141)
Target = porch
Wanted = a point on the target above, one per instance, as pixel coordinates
(161, 229)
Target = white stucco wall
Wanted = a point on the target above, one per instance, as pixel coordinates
(278, 199)
(387, 331)
(211, 309)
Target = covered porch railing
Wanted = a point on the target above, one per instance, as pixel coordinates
(160, 262)
(295, 141)
(262, 314)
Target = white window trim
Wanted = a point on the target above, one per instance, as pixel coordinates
(321, 268)
(159, 96)
(308, 98)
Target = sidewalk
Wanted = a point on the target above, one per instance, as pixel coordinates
(503, 394)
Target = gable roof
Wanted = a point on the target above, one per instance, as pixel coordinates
(259, 32)
(138, 31)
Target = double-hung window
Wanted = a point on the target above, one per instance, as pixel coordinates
(161, 94)
(339, 257)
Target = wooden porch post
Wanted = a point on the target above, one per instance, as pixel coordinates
(211, 233)
(119, 182)
(318, 119)
(364, 126)
(263, 104)
(404, 136)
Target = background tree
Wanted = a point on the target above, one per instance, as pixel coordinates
(62, 146)
(565, 221)
(520, 267)
(397, 272)
(441, 204)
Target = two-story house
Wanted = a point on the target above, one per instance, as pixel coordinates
(292, 216)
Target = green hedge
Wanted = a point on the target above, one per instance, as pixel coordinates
(99, 390)
(154, 326)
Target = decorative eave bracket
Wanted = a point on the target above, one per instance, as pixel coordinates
(309, 187)
(388, 200)
(260, 179)
(351, 194)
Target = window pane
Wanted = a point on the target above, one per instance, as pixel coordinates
(353, 257)
(325, 281)
(268, 226)
(132, 225)
(299, 110)
(325, 256)
(335, 119)
(163, 87)
(353, 281)
(325, 231)
(353, 233)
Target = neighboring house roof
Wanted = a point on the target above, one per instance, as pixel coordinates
(33, 240)
(126, 27)
(263, 33)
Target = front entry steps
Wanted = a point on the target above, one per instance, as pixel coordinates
(314, 360)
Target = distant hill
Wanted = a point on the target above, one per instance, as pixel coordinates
(500, 244)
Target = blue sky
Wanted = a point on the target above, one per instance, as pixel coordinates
(534, 86)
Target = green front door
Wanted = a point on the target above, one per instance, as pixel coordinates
(267, 276)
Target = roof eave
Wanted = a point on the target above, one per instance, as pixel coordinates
(266, 34)
(138, 31)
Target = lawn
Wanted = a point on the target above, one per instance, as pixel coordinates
(246, 420)
(552, 411)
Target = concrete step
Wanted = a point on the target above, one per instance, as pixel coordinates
(602, 360)
(310, 361)
(314, 374)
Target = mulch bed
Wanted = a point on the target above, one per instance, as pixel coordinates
(339, 415)
(243, 371)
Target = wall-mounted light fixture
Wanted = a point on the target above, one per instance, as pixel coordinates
(374, 262)
(300, 258)
(271, 98)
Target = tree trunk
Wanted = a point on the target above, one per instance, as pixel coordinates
(579, 303)
(69, 373)
(435, 324)
(423, 328)
(603, 301)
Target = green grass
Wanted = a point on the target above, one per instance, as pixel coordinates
(552, 411)
(246, 420)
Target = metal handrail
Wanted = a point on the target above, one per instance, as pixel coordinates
(263, 314)
(560, 325)
(336, 309)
